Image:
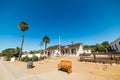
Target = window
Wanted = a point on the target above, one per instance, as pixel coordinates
(119, 43)
(113, 47)
(116, 47)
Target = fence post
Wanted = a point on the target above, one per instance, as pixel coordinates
(81, 57)
(94, 56)
(111, 56)
(115, 58)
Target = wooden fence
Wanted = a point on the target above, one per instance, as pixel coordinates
(109, 57)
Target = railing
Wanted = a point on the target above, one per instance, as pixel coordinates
(109, 57)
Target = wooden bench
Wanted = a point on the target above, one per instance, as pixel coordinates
(65, 64)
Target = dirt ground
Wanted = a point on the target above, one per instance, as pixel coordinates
(96, 71)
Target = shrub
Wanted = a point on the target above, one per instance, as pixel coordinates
(43, 57)
(26, 58)
(30, 59)
(7, 59)
(10, 52)
(34, 58)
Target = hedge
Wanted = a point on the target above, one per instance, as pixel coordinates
(26, 58)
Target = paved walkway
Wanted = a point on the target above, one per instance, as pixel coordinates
(9, 71)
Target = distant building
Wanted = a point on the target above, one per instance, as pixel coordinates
(115, 45)
(87, 50)
(74, 49)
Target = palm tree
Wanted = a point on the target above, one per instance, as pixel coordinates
(23, 27)
(46, 40)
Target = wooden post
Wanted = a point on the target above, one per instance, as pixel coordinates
(115, 58)
(111, 56)
(81, 57)
(94, 56)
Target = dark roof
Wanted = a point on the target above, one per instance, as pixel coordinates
(63, 47)
(74, 45)
(53, 47)
(87, 48)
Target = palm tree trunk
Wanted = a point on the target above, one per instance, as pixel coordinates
(21, 48)
(45, 45)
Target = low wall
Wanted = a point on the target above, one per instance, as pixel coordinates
(101, 57)
(31, 55)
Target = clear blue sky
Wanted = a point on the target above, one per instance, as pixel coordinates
(84, 21)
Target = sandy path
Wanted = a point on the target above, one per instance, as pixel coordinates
(4, 74)
(9, 71)
(47, 69)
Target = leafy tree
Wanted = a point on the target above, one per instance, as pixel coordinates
(10, 52)
(93, 48)
(31, 52)
(46, 40)
(86, 46)
(106, 45)
(17, 50)
(41, 51)
(35, 51)
(23, 27)
(99, 48)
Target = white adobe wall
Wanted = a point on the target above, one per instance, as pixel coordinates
(31, 55)
(87, 51)
(38, 55)
(55, 52)
(80, 50)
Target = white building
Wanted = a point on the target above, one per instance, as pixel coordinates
(87, 50)
(74, 49)
(115, 45)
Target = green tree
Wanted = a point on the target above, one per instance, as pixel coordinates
(93, 48)
(17, 50)
(10, 52)
(106, 45)
(46, 40)
(99, 48)
(31, 52)
(23, 27)
(86, 46)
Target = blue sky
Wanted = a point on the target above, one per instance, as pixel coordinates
(83, 21)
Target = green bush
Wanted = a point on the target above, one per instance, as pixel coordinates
(34, 58)
(22, 59)
(26, 58)
(42, 57)
(10, 52)
(30, 59)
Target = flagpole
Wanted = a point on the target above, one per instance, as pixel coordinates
(59, 44)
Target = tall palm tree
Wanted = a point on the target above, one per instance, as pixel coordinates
(46, 40)
(23, 27)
